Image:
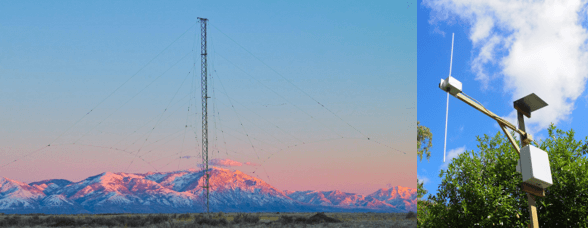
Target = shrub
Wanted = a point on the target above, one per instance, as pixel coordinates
(10, 221)
(185, 216)
(200, 220)
(119, 219)
(285, 219)
(156, 219)
(100, 221)
(32, 221)
(62, 221)
(136, 221)
(245, 218)
(171, 225)
(411, 214)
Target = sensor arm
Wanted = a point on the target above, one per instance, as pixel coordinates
(510, 138)
(500, 121)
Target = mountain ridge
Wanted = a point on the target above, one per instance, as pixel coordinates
(181, 191)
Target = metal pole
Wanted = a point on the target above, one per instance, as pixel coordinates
(534, 223)
(204, 108)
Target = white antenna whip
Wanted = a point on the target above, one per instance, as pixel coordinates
(451, 60)
(447, 107)
(446, 114)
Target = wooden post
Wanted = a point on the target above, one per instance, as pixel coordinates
(530, 199)
(533, 190)
(526, 139)
(533, 211)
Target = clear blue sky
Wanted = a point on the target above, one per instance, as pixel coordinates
(503, 51)
(59, 60)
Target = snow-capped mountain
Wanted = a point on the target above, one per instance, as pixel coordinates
(15, 194)
(399, 198)
(182, 191)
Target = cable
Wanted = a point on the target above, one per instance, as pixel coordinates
(132, 97)
(125, 82)
(280, 95)
(165, 108)
(15, 160)
(475, 101)
(292, 83)
(271, 135)
(92, 109)
(482, 106)
(288, 80)
(242, 125)
(151, 120)
(225, 92)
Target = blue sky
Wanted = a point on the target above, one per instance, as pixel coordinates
(117, 78)
(502, 51)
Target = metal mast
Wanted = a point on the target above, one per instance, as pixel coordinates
(205, 97)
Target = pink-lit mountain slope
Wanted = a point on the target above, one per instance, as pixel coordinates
(181, 191)
(17, 194)
(400, 198)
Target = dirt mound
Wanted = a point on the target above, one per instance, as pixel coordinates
(321, 217)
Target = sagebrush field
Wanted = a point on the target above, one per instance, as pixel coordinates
(212, 220)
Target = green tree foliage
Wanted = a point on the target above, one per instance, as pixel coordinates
(424, 141)
(482, 188)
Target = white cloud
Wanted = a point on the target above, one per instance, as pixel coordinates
(222, 162)
(451, 154)
(251, 164)
(422, 179)
(485, 56)
(226, 163)
(438, 31)
(538, 46)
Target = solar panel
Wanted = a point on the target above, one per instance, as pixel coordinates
(529, 103)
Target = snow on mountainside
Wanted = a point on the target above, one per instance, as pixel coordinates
(17, 194)
(396, 198)
(181, 191)
(58, 182)
(402, 197)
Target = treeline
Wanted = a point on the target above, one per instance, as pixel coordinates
(481, 188)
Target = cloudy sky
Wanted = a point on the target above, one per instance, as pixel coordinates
(503, 51)
(90, 87)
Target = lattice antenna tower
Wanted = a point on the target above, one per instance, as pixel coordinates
(204, 66)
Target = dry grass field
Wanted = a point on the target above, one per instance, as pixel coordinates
(353, 220)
